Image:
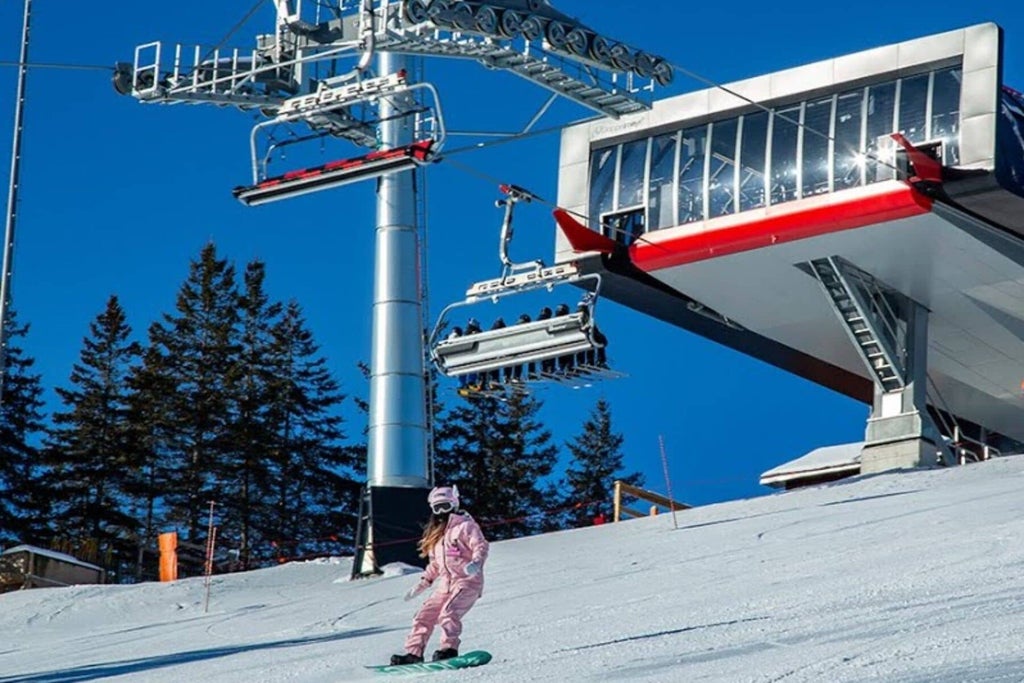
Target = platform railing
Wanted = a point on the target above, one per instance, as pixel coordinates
(983, 452)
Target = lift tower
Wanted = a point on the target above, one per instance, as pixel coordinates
(12, 195)
(312, 79)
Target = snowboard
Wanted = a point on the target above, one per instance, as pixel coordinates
(476, 658)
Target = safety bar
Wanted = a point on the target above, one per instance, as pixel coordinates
(335, 174)
(530, 342)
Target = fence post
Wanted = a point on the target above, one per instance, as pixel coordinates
(211, 543)
(668, 482)
(617, 514)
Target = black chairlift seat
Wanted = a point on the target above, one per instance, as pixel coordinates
(335, 173)
(530, 342)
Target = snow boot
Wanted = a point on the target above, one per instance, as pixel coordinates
(447, 653)
(407, 658)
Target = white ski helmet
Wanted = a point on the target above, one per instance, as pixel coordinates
(444, 499)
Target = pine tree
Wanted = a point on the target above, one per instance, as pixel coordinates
(247, 472)
(499, 455)
(194, 360)
(312, 492)
(359, 452)
(24, 493)
(596, 464)
(151, 391)
(438, 416)
(91, 443)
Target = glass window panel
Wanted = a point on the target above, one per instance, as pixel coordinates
(625, 227)
(1010, 141)
(881, 101)
(752, 160)
(631, 173)
(848, 156)
(785, 128)
(660, 198)
(946, 113)
(914, 108)
(602, 184)
(692, 146)
(817, 127)
(722, 175)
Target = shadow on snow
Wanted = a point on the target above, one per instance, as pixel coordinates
(91, 672)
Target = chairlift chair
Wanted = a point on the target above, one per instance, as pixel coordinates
(497, 361)
(346, 111)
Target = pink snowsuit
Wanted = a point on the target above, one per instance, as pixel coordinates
(463, 542)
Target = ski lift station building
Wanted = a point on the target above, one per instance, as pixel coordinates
(857, 221)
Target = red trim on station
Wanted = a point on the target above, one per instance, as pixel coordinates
(787, 223)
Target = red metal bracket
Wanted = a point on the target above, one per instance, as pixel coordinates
(926, 168)
(582, 238)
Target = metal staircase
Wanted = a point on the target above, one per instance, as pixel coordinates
(875, 318)
(868, 318)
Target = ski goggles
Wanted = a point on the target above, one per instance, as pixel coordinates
(442, 507)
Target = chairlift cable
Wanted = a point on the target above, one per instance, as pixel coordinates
(512, 138)
(231, 32)
(471, 170)
(57, 65)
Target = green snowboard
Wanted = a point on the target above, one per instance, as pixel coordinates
(476, 658)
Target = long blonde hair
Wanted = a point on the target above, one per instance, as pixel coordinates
(432, 534)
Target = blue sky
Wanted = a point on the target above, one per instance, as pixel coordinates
(117, 197)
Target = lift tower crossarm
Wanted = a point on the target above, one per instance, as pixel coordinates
(531, 40)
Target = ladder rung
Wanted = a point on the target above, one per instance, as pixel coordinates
(555, 77)
(609, 99)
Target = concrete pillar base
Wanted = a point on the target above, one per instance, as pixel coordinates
(902, 454)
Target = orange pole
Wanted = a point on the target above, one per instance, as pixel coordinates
(169, 556)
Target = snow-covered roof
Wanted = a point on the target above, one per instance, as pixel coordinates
(821, 461)
(43, 552)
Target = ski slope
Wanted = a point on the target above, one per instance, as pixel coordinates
(908, 577)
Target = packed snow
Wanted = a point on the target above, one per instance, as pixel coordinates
(908, 577)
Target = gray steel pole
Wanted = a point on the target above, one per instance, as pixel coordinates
(12, 194)
(397, 440)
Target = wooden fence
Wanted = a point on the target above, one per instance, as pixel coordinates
(623, 489)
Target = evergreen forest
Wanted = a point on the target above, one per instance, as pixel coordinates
(225, 408)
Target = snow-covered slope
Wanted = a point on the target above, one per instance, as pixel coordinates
(904, 577)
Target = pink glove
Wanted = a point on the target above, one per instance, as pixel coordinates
(415, 590)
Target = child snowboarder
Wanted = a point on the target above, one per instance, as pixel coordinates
(457, 550)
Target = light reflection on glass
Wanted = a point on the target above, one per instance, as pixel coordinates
(673, 180)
